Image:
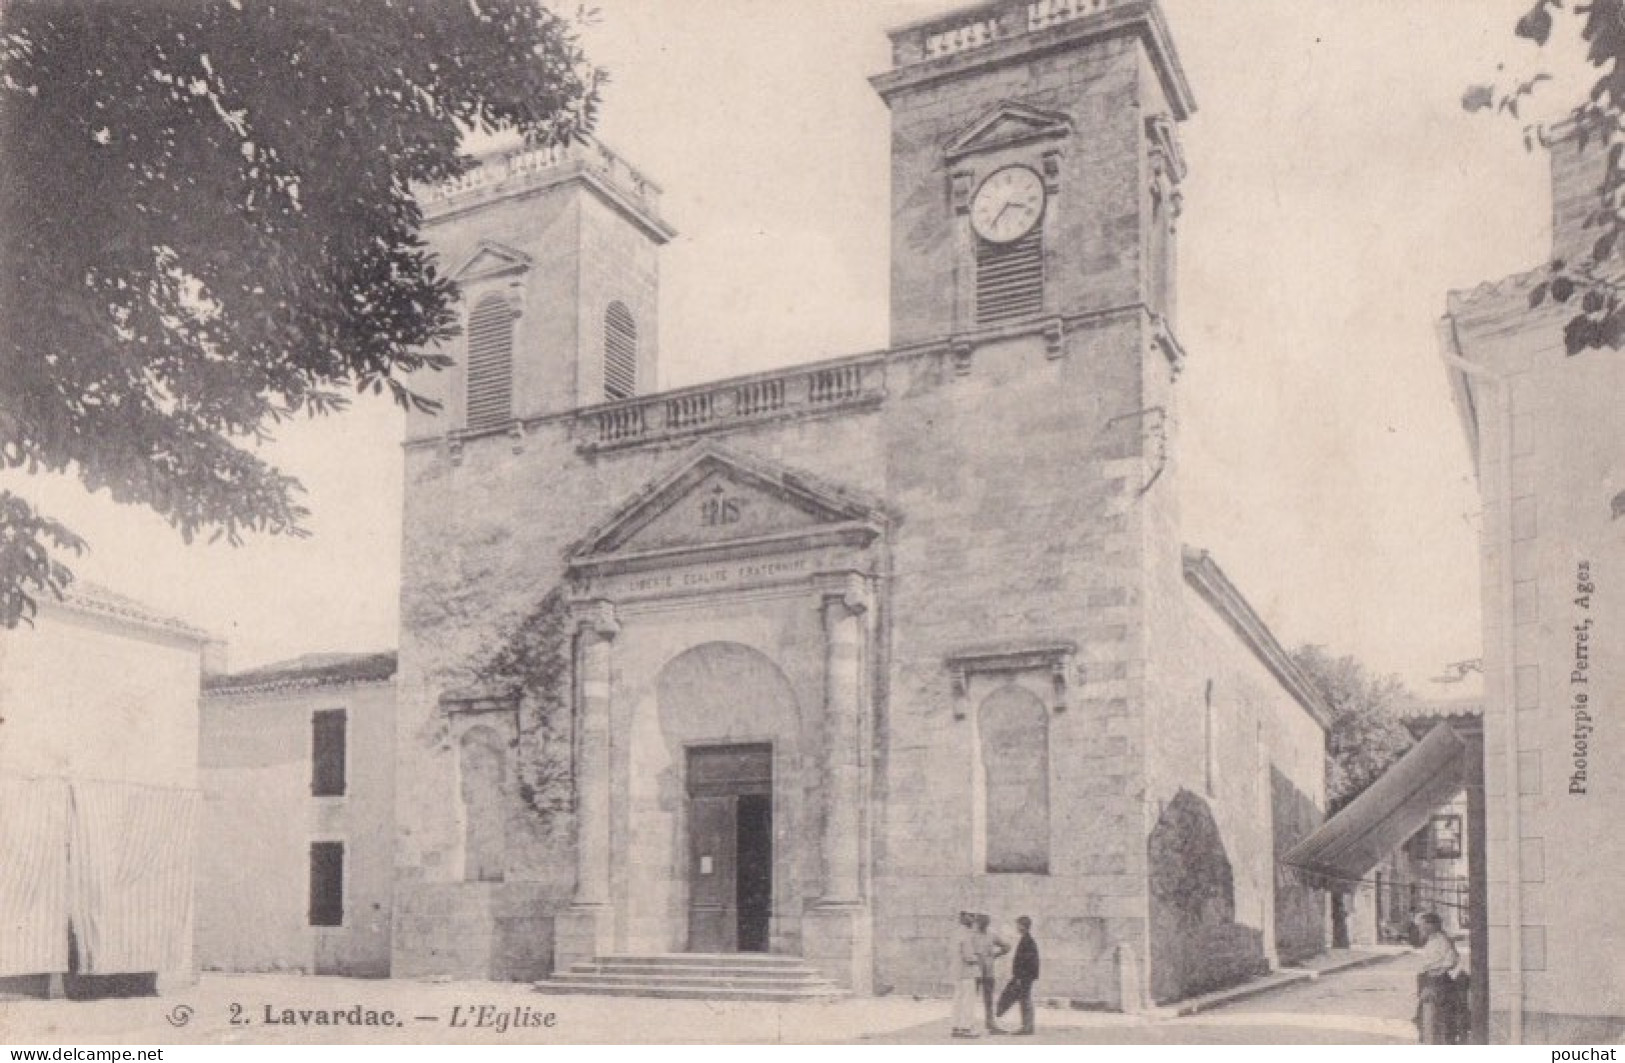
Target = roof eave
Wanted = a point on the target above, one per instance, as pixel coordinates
(1209, 581)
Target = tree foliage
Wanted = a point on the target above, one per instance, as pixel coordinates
(207, 226)
(1590, 284)
(1367, 736)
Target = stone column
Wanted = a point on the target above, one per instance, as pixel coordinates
(583, 931)
(837, 932)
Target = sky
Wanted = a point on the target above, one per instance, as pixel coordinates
(1337, 191)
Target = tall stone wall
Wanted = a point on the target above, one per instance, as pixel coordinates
(1018, 523)
(1234, 745)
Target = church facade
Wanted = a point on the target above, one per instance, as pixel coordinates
(805, 662)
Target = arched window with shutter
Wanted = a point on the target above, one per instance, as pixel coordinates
(490, 364)
(620, 353)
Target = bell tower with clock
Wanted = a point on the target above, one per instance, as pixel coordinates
(1035, 166)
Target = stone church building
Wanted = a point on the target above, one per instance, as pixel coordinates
(805, 662)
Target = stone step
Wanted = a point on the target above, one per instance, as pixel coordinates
(660, 990)
(690, 959)
(679, 977)
(696, 976)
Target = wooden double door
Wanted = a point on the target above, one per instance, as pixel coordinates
(730, 830)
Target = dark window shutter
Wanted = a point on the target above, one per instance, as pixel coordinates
(1009, 279)
(620, 353)
(326, 883)
(327, 737)
(490, 364)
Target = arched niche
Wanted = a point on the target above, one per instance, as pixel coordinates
(484, 771)
(1013, 726)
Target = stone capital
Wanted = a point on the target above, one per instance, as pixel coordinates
(595, 615)
(848, 590)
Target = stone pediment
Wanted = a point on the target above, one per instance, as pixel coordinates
(717, 504)
(491, 259)
(1006, 125)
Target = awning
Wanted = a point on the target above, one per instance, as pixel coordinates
(1393, 808)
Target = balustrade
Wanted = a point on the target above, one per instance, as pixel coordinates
(966, 33)
(525, 163)
(729, 403)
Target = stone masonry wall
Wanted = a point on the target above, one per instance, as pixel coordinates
(1097, 207)
(1257, 761)
(1012, 480)
(1008, 489)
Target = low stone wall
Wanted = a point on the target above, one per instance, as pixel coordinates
(479, 930)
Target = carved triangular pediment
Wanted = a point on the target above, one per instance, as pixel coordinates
(491, 259)
(716, 499)
(1006, 125)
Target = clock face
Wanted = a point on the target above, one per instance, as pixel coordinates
(1008, 205)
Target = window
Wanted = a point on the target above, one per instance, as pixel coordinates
(326, 883)
(1210, 738)
(490, 364)
(1014, 727)
(327, 737)
(1446, 832)
(1009, 278)
(620, 353)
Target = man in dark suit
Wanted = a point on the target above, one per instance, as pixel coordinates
(1023, 973)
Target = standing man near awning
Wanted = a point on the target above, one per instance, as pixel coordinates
(1435, 989)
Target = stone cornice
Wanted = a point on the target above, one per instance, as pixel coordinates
(1010, 38)
(479, 699)
(507, 175)
(1008, 659)
(1205, 576)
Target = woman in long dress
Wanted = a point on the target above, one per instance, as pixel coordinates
(967, 968)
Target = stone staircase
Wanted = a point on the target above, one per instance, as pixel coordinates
(696, 976)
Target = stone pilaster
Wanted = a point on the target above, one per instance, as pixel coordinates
(584, 929)
(837, 931)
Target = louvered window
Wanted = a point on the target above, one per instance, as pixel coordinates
(620, 353)
(490, 364)
(1009, 279)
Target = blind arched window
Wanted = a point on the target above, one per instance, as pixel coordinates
(620, 353)
(490, 363)
(1014, 727)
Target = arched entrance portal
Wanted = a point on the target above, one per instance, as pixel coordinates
(725, 804)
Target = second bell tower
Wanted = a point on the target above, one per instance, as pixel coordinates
(1035, 164)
